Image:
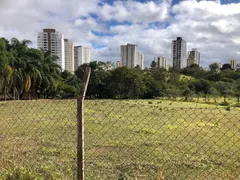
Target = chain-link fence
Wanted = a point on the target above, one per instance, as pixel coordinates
(124, 139)
(38, 139)
(140, 139)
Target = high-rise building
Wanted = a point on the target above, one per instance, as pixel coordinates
(81, 55)
(233, 63)
(193, 57)
(238, 67)
(164, 62)
(179, 53)
(52, 41)
(69, 55)
(220, 65)
(118, 64)
(130, 57)
(161, 62)
(140, 60)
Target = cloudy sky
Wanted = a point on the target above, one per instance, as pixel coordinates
(212, 26)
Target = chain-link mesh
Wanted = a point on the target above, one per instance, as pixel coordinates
(38, 139)
(124, 139)
(138, 139)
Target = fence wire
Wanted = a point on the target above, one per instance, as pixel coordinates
(38, 139)
(124, 139)
(154, 140)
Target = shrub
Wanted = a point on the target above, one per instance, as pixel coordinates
(150, 102)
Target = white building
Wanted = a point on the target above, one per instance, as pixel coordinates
(140, 60)
(238, 67)
(220, 65)
(233, 63)
(130, 57)
(106, 66)
(161, 62)
(53, 41)
(69, 55)
(118, 64)
(193, 57)
(179, 53)
(81, 55)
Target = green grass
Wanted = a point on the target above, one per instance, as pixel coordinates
(124, 139)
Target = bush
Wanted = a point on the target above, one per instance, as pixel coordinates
(150, 102)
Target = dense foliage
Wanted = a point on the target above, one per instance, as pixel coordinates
(28, 73)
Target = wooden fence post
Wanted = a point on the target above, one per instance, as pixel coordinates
(80, 126)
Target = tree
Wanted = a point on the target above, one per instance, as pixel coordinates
(33, 70)
(224, 88)
(159, 74)
(201, 86)
(50, 74)
(226, 66)
(18, 50)
(187, 93)
(214, 67)
(237, 91)
(195, 66)
(127, 83)
(5, 69)
(153, 88)
(153, 64)
(213, 76)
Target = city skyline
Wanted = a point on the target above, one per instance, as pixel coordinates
(210, 26)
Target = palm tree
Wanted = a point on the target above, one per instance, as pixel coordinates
(33, 70)
(50, 73)
(5, 69)
(18, 50)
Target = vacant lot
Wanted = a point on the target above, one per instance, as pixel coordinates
(141, 139)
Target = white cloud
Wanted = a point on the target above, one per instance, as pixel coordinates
(135, 12)
(210, 26)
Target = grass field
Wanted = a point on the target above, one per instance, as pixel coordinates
(124, 139)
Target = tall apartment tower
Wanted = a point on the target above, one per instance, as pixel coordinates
(53, 41)
(193, 57)
(69, 55)
(233, 63)
(81, 55)
(161, 62)
(179, 53)
(140, 60)
(130, 57)
(118, 64)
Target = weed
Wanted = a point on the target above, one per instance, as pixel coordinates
(228, 108)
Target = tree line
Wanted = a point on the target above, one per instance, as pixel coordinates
(28, 73)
